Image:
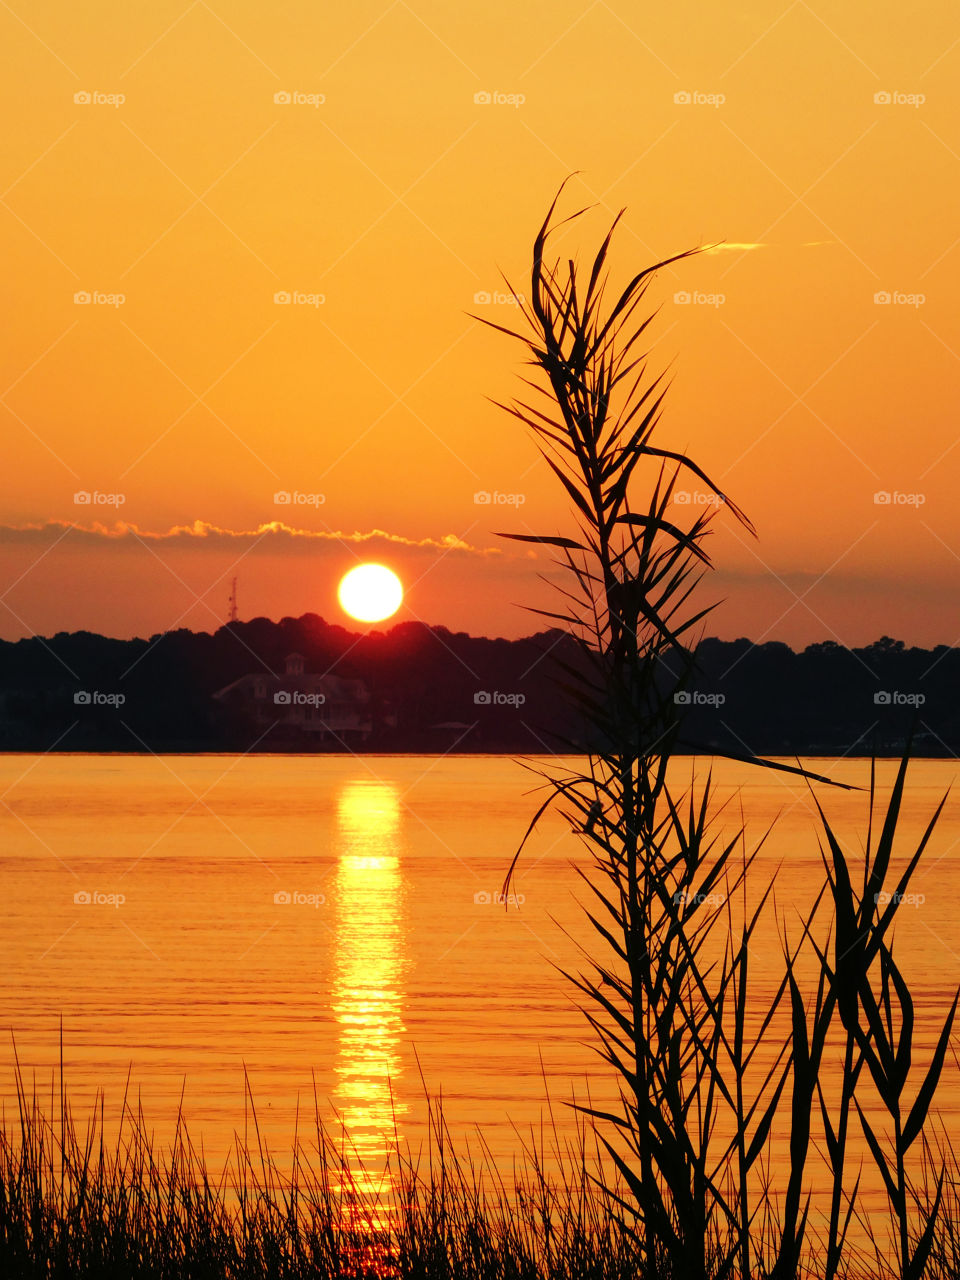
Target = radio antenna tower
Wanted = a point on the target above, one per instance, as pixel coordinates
(232, 616)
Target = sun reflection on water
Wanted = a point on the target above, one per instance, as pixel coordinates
(369, 971)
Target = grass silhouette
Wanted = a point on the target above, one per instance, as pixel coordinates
(668, 995)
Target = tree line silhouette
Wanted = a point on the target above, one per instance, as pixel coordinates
(432, 689)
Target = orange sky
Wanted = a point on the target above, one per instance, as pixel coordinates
(386, 207)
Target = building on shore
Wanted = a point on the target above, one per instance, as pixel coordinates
(319, 710)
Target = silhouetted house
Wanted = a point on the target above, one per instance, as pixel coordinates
(315, 709)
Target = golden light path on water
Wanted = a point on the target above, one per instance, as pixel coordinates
(370, 966)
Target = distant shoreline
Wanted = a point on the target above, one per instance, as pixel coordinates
(303, 686)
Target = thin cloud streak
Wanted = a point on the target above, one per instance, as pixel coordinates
(202, 535)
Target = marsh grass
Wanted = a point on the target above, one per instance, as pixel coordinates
(85, 1201)
(76, 1201)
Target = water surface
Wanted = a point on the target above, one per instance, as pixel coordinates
(328, 925)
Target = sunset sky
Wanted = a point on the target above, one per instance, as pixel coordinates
(188, 167)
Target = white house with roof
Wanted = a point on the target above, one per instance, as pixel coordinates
(328, 709)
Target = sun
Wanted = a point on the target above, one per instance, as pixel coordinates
(370, 593)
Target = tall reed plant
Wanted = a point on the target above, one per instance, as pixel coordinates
(667, 995)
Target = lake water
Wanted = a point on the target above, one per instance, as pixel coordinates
(326, 923)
